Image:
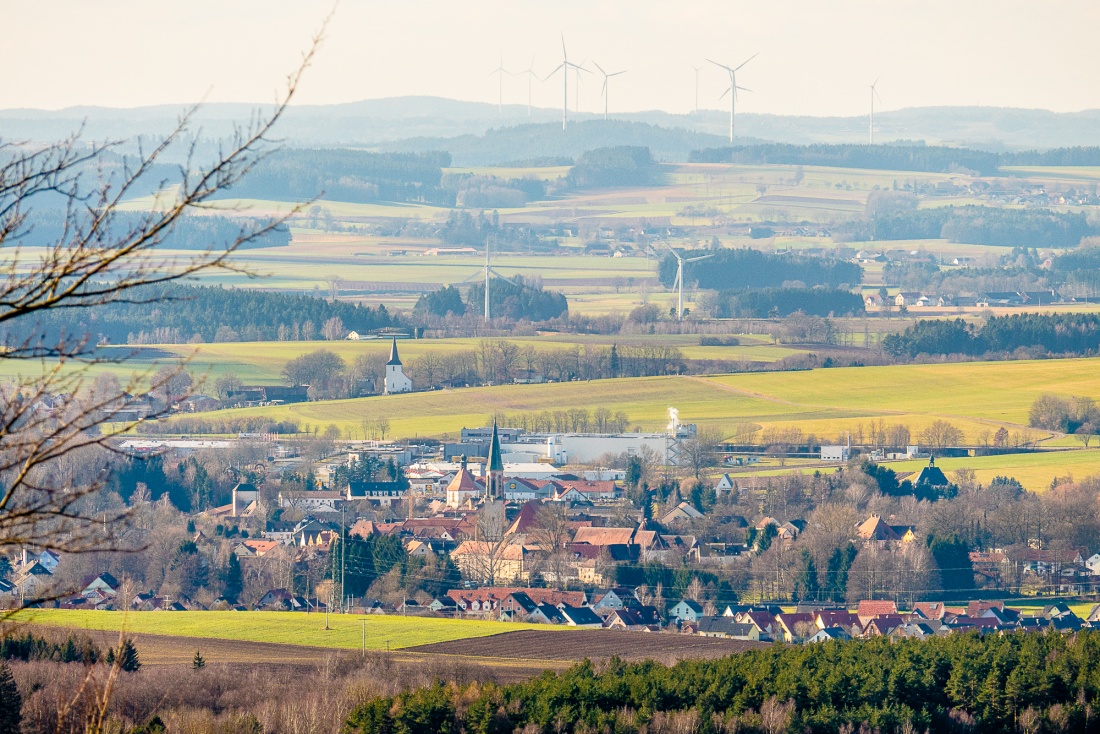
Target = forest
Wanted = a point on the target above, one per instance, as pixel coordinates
(891, 157)
(1062, 333)
(899, 156)
(978, 225)
(347, 175)
(181, 313)
(45, 227)
(748, 268)
(517, 299)
(622, 165)
(778, 302)
(959, 683)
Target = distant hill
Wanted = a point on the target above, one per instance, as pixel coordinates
(371, 123)
(548, 140)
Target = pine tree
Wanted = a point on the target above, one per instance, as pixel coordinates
(197, 662)
(128, 657)
(232, 580)
(11, 703)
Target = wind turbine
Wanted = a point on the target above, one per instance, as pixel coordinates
(564, 68)
(680, 260)
(488, 271)
(871, 127)
(500, 71)
(606, 76)
(697, 68)
(732, 90)
(530, 72)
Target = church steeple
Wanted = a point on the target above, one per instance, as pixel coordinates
(494, 481)
(394, 359)
(495, 462)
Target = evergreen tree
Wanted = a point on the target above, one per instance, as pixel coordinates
(806, 584)
(197, 662)
(127, 658)
(232, 580)
(11, 703)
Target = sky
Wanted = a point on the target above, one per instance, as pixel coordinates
(815, 57)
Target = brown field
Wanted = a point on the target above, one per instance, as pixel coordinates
(567, 647)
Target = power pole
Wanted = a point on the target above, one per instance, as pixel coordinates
(343, 556)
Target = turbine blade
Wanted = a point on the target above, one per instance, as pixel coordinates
(748, 60)
(564, 55)
(721, 66)
(744, 89)
(599, 67)
(723, 95)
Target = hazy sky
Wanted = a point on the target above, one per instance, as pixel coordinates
(816, 56)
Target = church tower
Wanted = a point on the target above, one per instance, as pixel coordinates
(395, 377)
(494, 485)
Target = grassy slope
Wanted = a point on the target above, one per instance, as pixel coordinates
(383, 632)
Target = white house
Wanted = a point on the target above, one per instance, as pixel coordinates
(725, 484)
(1093, 564)
(395, 377)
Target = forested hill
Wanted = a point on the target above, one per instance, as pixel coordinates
(747, 268)
(957, 683)
(548, 140)
(46, 227)
(1040, 334)
(347, 175)
(183, 313)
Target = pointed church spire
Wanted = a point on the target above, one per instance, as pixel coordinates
(394, 359)
(495, 462)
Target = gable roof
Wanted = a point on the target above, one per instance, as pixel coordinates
(580, 615)
(874, 528)
(604, 536)
(876, 608)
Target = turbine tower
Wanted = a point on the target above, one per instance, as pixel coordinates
(488, 271)
(697, 68)
(564, 68)
(732, 90)
(680, 260)
(530, 73)
(500, 71)
(604, 92)
(871, 127)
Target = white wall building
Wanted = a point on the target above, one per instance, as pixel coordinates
(395, 377)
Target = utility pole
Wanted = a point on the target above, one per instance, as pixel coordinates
(364, 637)
(343, 556)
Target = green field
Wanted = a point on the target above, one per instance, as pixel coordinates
(978, 398)
(297, 628)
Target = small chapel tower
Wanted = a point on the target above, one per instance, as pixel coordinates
(395, 376)
(494, 481)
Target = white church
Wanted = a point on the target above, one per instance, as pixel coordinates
(395, 377)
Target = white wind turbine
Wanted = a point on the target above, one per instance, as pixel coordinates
(604, 92)
(871, 127)
(697, 68)
(564, 68)
(488, 271)
(530, 73)
(500, 71)
(679, 284)
(732, 90)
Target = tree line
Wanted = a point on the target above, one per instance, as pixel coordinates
(174, 313)
(891, 157)
(978, 225)
(346, 175)
(1062, 333)
(749, 268)
(45, 227)
(895, 157)
(997, 684)
(779, 302)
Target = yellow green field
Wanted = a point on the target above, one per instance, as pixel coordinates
(978, 398)
(298, 628)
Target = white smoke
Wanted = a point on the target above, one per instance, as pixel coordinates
(673, 421)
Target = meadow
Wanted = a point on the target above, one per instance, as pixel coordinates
(297, 628)
(978, 398)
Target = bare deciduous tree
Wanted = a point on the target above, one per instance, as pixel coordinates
(101, 255)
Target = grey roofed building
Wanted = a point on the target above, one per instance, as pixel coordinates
(726, 627)
(580, 616)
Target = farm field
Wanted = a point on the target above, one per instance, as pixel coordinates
(262, 362)
(295, 628)
(975, 397)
